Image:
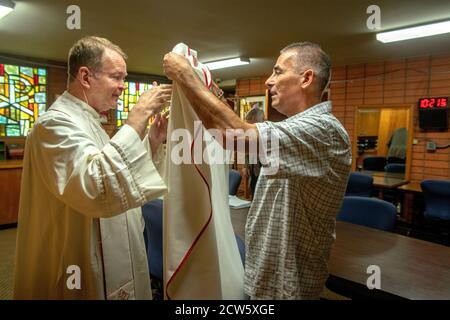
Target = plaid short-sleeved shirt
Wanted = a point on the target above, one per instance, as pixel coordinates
(291, 224)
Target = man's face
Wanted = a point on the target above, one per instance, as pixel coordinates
(285, 84)
(107, 83)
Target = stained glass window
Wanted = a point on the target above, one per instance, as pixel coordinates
(23, 97)
(128, 99)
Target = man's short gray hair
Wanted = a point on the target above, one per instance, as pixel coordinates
(88, 52)
(311, 55)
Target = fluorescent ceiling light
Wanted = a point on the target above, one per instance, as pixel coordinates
(226, 63)
(6, 6)
(414, 32)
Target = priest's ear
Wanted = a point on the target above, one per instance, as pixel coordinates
(83, 76)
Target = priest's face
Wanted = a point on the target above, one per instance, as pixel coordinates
(108, 81)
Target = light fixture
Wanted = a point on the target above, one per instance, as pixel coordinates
(213, 65)
(414, 32)
(6, 6)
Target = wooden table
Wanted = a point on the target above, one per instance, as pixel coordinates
(410, 268)
(413, 187)
(383, 174)
(411, 200)
(386, 180)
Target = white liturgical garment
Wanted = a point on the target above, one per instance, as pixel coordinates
(201, 257)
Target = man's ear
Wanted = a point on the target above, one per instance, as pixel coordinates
(307, 79)
(83, 77)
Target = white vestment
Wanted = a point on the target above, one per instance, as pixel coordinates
(80, 225)
(201, 257)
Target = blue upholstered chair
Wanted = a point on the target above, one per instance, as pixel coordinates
(374, 163)
(241, 247)
(436, 194)
(436, 224)
(359, 184)
(153, 236)
(235, 181)
(153, 217)
(395, 168)
(369, 212)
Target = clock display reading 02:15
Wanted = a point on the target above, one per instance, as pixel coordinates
(431, 103)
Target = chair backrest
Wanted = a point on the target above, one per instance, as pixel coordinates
(235, 181)
(374, 163)
(395, 168)
(359, 184)
(241, 247)
(153, 217)
(369, 212)
(436, 194)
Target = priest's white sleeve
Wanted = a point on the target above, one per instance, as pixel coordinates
(96, 182)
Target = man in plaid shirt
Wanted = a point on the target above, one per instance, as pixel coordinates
(291, 224)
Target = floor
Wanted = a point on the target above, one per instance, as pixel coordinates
(8, 244)
(7, 251)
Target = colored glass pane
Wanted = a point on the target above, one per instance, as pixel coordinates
(22, 98)
(41, 109)
(40, 97)
(128, 99)
(27, 71)
(9, 69)
(13, 130)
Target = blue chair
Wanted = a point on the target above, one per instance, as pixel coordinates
(153, 217)
(436, 194)
(369, 212)
(235, 181)
(241, 247)
(374, 163)
(395, 168)
(359, 185)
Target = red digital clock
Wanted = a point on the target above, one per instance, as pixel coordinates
(434, 113)
(433, 103)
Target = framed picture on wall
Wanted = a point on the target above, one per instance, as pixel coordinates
(248, 103)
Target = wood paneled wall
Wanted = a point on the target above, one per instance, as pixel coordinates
(389, 83)
(251, 87)
(398, 82)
